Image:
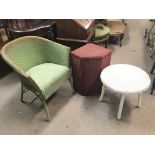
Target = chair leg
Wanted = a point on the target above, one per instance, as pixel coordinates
(120, 39)
(46, 110)
(71, 84)
(106, 43)
(153, 67)
(38, 96)
(153, 86)
(22, 93)
(146, 33)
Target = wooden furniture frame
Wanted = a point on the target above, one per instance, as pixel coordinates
(47, 31)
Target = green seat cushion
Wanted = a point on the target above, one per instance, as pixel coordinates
(100, 26)
(49, 77)
(101, 32)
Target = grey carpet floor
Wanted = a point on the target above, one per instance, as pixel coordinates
(76, 114)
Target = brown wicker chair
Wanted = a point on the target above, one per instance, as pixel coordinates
(117, 29)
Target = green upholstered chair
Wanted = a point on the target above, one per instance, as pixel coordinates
(101, 33)
(42, 65)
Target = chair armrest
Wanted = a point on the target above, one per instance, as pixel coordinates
(12, 65)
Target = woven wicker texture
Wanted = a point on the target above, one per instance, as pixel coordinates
(87, 63)
(25, 53)
(125, 78)
(49, 77)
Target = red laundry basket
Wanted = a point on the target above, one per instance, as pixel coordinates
(87, 63)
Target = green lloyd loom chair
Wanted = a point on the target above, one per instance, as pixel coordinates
(42, 65)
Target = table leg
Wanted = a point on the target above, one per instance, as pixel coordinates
(120, 106)
(140, 100)
(102, 93)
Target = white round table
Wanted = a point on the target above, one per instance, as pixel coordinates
(124, 79)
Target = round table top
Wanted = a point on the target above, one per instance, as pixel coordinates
(126, 79)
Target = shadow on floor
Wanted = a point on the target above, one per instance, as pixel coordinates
(17, 112)
(111, 102)
(4, 68)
